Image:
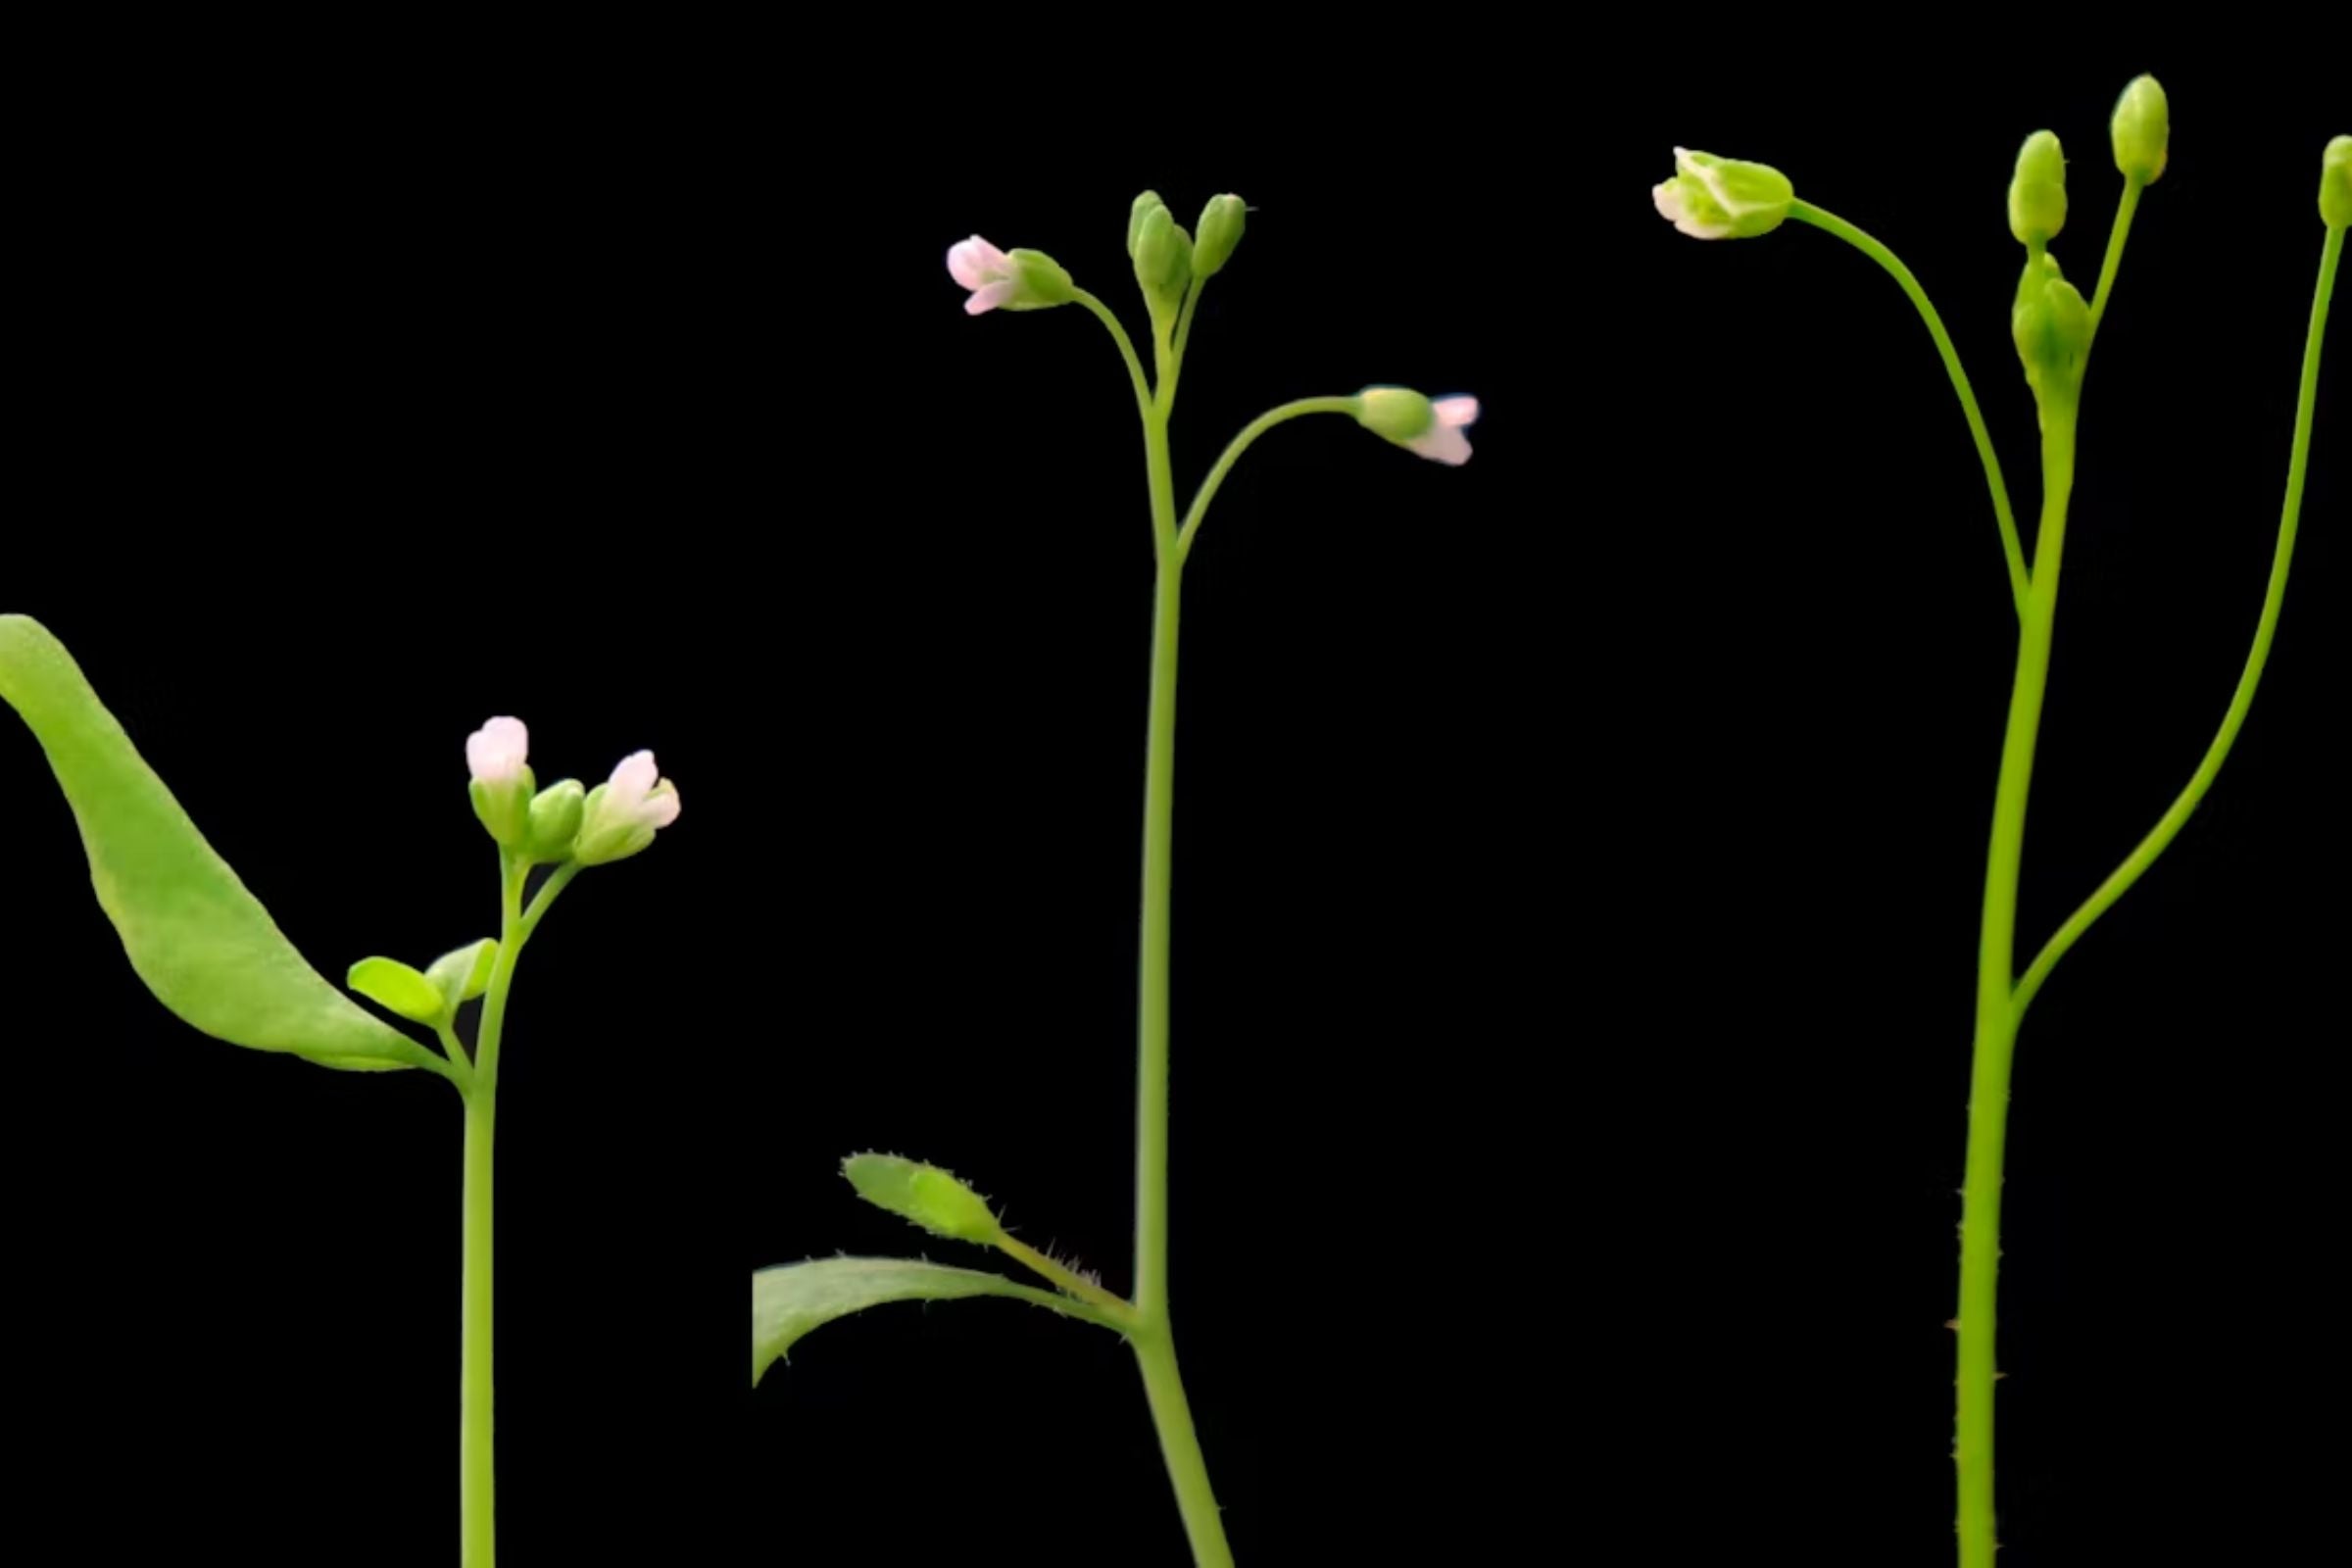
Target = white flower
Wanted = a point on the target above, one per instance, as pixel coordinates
(496, 750)
(986, 271)
(1012, 280)
(624, 813)
(1443, 441)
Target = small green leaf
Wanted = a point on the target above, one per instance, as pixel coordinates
(461, 974)
(397, 987)
(204, 944)
(790, 1300)
(925, 1194)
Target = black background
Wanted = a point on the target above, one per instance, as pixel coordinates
(1578, 853)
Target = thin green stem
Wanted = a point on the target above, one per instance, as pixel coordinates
(554, 884)
(2116, 235)
(1996, 1018)
(1241, 444)
(2011, 549)
(1175, 361)
(1154, 1345)
(1066, 1279)
(1173, 1414)
(477, 1486)
(2266, 629)
(1118, 334)
(455, 1049)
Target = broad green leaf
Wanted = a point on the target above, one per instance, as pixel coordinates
(461, 974)
(201, 942)
(398, 987)
(790, 1300)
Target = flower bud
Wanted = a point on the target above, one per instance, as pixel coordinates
(1163, 258)
(1723, 198)
(1431, 428)
(502, 783)
(1136, 215)
(2336, 184)
(554, 820)
(2143, 129)
(924, 1194)
(1012, 280)
(2050, 324)
(2037, 190)
(621, 817)
(1220, 230)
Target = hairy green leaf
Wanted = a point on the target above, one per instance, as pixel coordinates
(201, 942)
(790, 1300)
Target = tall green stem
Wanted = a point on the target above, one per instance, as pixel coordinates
(1997, 1014)
(477, 1486)
(1154, 1345)
(2266, 629)
(2011, 550)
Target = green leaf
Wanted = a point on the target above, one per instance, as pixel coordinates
(398, 987)
(201, 942)
(461, 974)
(790, 1300)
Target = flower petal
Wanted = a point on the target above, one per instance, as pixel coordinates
(635, 775)
(495, 752)
(989, 296)
(963, 264)
(1442, 443)
(661, 807)
(1457, 411)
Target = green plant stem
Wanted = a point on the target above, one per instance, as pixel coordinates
(2116, 235)
(1155, 1345)
(1067, 1280)
(1241, 444)
(1118, 334)
(2266, 629)
(1996, 1016)
(476, 1461)
(1187, 1471)
(1830, 222)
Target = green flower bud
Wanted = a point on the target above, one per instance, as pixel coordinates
(1723, 198)
(1397, 412)
(2051, 328)
(2336, 184)
(2143, 129)
(923, 1194)
(503, 806)
(1043, 282)
(554, 820)
(1220, 230)
(1136, 215)
(2037, 190)
(1163, 257)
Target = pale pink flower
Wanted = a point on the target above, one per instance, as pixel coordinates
(992, 276)
(496, 750)
(1443, 441)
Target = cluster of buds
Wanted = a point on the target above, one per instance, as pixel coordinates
(564, 821)
(1172, 265)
